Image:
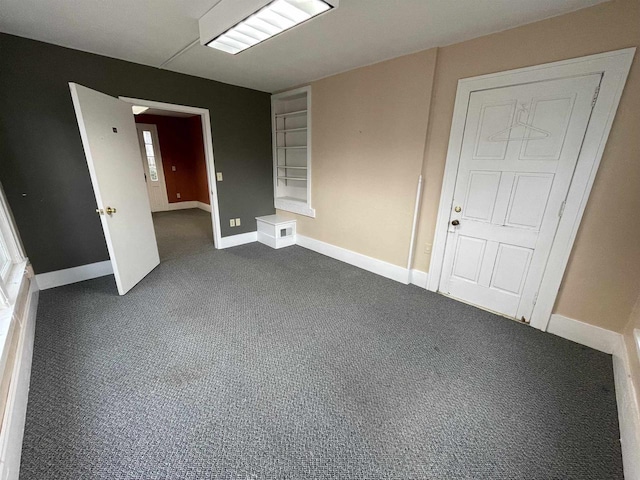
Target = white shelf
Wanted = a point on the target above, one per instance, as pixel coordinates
(287, 130)
(291, 114)
(295, 205)
(291, 199)
(275, 220)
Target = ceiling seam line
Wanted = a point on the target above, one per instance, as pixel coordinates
(179, 52)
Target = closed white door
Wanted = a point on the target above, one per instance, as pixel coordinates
(152, 164)
(110, 143)
(520, 148)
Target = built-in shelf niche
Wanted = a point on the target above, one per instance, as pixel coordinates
(291, 125)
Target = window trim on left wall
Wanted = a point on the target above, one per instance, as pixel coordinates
(11, 279)
(18, 304)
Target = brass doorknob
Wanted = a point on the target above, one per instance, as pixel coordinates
(455, 223)
(110, 210)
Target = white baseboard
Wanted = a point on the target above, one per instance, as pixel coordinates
(626, 397)
(12, 430)
(240, 239)
(583, 333)
(418, 278)
(628, 411)
(182, 205)
(73, 275)
(388, 270)
(373, 265)
(188, 204)
(204, 206)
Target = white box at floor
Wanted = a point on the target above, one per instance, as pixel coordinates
(276, 231)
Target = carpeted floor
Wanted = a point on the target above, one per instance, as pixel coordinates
(253, 363)
(182, 232)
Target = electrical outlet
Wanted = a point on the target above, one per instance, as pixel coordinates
(232, 222)
(173, 168)
(237, 222)
(427, 248)
(219, 176)
(178, 195)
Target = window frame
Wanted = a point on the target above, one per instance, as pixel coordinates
(147, 156)
(11, 273)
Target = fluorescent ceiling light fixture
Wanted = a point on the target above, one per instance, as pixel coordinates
(271, 20)
(138, 110)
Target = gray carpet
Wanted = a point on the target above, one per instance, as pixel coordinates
(253, 363)
(182, 232)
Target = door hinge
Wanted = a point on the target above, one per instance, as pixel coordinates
(561, 211)
(595, 96)
(535, 298)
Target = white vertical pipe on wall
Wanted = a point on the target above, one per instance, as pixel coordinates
(415, 226)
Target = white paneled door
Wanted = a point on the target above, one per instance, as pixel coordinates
(111, 148)
(519, 150)
(152, 164)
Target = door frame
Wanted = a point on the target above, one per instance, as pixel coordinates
(156, 145)
(614, 67)
(207, 137)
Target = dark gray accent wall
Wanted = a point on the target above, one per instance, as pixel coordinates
(42, 164)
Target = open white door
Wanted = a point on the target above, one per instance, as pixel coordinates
(110, 141)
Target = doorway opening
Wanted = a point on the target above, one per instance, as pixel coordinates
(117, 170)
(177, 157)
(172, 152)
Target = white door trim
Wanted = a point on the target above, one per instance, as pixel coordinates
(208, 152)
(615, 67)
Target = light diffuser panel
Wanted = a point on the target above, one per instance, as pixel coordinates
(275, 18)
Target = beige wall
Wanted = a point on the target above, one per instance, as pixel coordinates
(366, 131)
(369, 127)
(603, 276)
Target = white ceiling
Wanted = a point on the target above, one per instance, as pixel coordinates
(359, 32)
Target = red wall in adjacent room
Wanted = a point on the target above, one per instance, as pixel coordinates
(182, 147)
(197, 144)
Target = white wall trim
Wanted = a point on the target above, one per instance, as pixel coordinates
(628, 411)
(73, 275)
(597, 338)
(204, 206)
(12, 430)
(414, 225)
(418, 278)
(626, 396)
(207, 137)
(388, 270)
(614, 67)
(188, 204)
(182, 205)
(240, 239)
